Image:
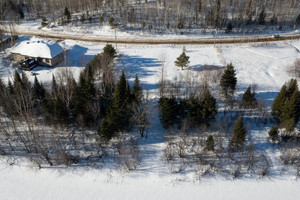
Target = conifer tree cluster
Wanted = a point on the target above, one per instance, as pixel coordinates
(119, 110)
(20, 97)
(198, 110)
(286, 106)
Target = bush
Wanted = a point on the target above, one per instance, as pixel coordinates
(101, 20)
(111, 21)
(273, 134)
(210, 143)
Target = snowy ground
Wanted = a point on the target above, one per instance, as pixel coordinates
(23, 182)
(264, 65)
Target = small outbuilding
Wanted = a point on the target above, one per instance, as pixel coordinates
(44, 52)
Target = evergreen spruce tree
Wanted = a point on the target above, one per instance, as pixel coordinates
(137, 91)
(209, 106)
(228, 82)
(195, 111)
(111, 22)
(26, 83)
(262, 17)
(54, 87)
(273, 134)
(107, 128)
(168, 111)
(286, 106)
(298, 20)
(101, 20)
(110, 50)
(84, 92)
(239, 134)
(229, 27)
(67, 14)
(47, 107)
(17, 79)
(210, 143)
(60, 111)
(38, 91)
(117, 113)
(248, 99)
(182, 61)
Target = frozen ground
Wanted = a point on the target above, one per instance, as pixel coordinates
(23, 182)
(264, 65)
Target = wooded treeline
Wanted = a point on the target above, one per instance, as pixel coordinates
(162, 15)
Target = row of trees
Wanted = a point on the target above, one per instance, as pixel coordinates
(197, 110)
(168, 14)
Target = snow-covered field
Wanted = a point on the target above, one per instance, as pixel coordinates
(264, 65)
(23, 182)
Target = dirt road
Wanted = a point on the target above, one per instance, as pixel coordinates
(191, 41)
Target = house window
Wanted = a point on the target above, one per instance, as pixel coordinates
(47, 60)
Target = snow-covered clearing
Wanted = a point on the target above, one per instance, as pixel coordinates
(23, 182)
(264, 65)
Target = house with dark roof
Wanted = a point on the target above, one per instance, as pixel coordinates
(45, 53)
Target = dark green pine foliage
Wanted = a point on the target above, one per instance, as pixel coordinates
(168, 111)
(26, 82)
(17, 81)
(60, 111)
(67, 14)
(182, 61)
(210, 143)
(47, 107)
(298, 20)
(262, 17)
(228, 82)
(54, 87)
(3, 94)
(110, 50)
(273, 134)
(248, 99)
(117, 113)
(84, 92)
(209, 106)
(286, 106)
(195, 111)
(38, 91)
(136, 91)
(239, 134)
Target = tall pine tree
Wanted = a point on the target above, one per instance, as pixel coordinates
(239, 134)
(228, 82)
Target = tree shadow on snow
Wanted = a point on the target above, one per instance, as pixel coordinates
(143, 67)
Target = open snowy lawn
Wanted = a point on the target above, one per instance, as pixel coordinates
(23, 182)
